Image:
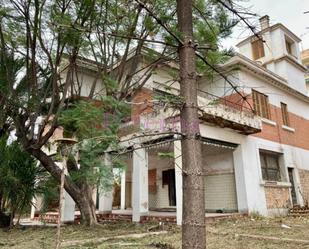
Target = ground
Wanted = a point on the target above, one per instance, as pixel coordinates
(292, 233)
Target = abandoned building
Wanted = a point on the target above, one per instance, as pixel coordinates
(255, 144)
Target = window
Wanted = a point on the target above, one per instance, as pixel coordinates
(257, 49)
(288, 46)
(285, 114)
(260, 103)
(270, 166)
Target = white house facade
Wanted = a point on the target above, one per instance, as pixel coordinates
(255, 145)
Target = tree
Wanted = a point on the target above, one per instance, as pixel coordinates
(41, 46)
(18, 179)
(201, 26)
(193, 231)
(43, 43)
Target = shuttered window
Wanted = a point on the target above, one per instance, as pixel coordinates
(285, 114)
(261, 105)
(270, 166)
(257, 49)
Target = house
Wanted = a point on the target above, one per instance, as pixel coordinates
(305, 61)
(255, 136)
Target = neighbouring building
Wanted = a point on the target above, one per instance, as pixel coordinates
(255, 145)
(305, 61)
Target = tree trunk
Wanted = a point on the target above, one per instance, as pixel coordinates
(80, 194)
(88, 205)
(193, 228)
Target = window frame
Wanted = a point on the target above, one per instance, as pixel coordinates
(285, 114)
(289, 46)
(264, 155)
(261, 104)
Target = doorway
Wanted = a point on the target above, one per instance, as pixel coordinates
(293, 191)
(168, 178)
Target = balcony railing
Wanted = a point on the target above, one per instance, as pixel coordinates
(237, 114)
(222, 112)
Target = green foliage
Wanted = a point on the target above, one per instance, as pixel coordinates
(166, 155)
(18, 178)
(49, 190)
(96, 126)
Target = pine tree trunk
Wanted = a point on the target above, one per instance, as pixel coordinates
(193, 224)
(82, 195)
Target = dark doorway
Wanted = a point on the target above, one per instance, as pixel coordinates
(168, 178)
(293, 191)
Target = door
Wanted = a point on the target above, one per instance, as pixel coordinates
(168, 178)
(293, 191)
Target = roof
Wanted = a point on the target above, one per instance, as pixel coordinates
(271, 28)
(271, 77)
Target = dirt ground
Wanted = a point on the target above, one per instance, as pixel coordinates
(243, 233)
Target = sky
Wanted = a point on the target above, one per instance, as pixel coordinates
(288, 12)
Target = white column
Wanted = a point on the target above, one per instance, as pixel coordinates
(33, 205)
(250, 193)
(123, 190)
(106, 196)
(178, 180)
(68, 209)
(140, 184)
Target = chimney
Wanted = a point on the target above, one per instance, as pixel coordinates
(264, 22)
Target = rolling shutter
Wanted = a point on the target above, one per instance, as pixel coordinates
(220, 193)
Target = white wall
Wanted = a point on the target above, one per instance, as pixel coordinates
(249, 181)
(275, 95)
(275, 48)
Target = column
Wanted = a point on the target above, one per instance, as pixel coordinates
(68, 208)
(140, 184)
(33, 209)
(106, 196)
(178, 180)
(250, 193)
(123, 190)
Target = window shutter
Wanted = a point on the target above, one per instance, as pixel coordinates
(260, 103)
(285, 114)
(257, 49)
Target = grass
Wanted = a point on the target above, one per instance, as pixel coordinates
(225, 234)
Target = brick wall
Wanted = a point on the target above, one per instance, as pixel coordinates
(277, 197)
(143, 96)
(304, 181)
(299, 138)
(152, 181)
(237, 101)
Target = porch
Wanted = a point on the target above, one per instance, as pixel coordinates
(151, 184)
(150, 187)
(124, 215)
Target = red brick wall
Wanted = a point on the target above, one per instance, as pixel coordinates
(237, 101)
(143, 96)
(299, 138)
(152, 180)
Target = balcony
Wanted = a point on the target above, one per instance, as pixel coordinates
(219, 111)
(228, 114)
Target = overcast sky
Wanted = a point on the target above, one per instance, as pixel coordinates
(288, 12)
